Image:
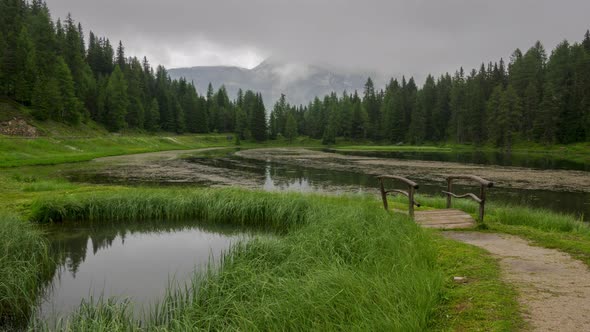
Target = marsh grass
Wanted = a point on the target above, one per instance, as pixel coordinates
(24, 258)
(233, 207)
(341, 263)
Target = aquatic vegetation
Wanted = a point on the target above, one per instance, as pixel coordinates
(24, 256)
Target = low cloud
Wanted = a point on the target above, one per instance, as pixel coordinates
(390, 37)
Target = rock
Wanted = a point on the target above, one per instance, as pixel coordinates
(18, 127)
(460, 280)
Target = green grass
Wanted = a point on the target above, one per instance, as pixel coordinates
(484, 302)
(339, 263)
(51, 151)
(235, 207)
(24, 258)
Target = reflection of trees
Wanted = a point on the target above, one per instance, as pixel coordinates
(70, 241)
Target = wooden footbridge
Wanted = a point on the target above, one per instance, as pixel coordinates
(448, 218)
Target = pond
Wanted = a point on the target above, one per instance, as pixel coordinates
(136, 261)
(284, 177)
(305, 170)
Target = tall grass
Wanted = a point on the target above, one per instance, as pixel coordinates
(342, 263)
(228, 206)
(24, 257)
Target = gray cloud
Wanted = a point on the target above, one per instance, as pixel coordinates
(391, 37)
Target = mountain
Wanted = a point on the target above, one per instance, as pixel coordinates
(301, 83)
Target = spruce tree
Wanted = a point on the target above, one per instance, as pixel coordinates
(47, 100)
(25, 66)
(121, 56)
(586, 42)
(546, 122)
(117, 102)
(152, 116)
(291, 127)
(417, 130)
(72, 107)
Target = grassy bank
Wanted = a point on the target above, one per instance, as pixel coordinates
(24, 258)
(51, 151)
(339, 263)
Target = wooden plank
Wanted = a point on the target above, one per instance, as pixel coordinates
(444, 219)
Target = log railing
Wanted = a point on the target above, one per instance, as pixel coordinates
(412, 186)
(481, 199)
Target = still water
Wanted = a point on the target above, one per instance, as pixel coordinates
(134, 261)
(535, 161)
(283, 177)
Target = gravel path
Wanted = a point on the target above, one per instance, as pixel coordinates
(554, 288)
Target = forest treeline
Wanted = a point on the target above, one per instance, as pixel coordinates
(47, 66)
(532, 98)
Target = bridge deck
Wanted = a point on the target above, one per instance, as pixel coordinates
(444, 219)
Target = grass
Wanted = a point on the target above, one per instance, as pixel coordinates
(340, 263)
(235, 207)
(484, 302)
(24, 258)
(52, 151)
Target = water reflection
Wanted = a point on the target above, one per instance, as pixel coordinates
(282, 177)
(132, 261)
(536, 161)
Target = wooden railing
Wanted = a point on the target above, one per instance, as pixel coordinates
(481, 199)
(412, 186)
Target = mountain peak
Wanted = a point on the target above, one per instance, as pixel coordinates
(300, 82)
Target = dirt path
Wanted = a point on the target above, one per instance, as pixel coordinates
(554, 288)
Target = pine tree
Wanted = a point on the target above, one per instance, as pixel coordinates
(530, 110)
(258, 126)
(509, 117)
(241, 123)
(291, 127)
(545, 126)
(586, 42)
(359, 118)
(152, 116)
(121, 56)
(493, 116)
(47, 99)
(72, 107)
(371, 108)
(117, 102)
(25, 80)
(417, 130)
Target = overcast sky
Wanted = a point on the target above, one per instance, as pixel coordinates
(413, 37)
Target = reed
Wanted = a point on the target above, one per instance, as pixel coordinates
(24, 257)
(216, 206)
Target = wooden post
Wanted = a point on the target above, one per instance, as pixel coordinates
(482, 196)
(411, 197)
(450, 190)
(383, 195)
